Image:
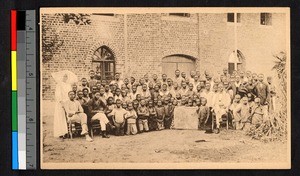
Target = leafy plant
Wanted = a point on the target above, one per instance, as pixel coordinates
(79, 19)
(275, 127)
(280, 68)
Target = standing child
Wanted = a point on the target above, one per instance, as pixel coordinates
(119, 118)
(124, 106)
(110, 106)
(152, 116)
(232, 108)
(203, 112)
(143, 114)
(169, 115)
(131, 117)
(160, 109)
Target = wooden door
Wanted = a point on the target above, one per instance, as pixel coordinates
(172, 63)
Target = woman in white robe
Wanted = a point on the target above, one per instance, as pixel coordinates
(64, 80)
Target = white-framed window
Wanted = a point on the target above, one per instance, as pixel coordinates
(230, 18)
(266, 19)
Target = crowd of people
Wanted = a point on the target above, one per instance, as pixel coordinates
(129, 106)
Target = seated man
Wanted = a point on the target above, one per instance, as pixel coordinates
(221, 103)
(75, 114)
(97, 111)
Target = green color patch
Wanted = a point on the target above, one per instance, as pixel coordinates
(14, 110)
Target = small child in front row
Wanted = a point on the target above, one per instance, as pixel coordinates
(169, 115)
(118, 114)
(203, 113)
(152, 116)
(131, 117)
(110, 106)
(143, 114)
(160, 110)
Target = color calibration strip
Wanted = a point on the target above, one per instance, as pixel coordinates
(15, 159)
(23, 66)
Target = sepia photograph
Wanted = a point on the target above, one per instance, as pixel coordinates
(165, 88)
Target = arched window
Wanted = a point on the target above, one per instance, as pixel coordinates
(103, 62)
(236, 61)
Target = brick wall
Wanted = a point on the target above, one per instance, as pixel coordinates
(151, 37)
(140, 41)
(258, 43)
(79, 43)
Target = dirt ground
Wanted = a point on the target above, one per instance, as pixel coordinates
(160, 146)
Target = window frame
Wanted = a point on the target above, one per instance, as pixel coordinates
(268, 19)
(103, 64)
(239, 17)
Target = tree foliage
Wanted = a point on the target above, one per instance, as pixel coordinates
(78, 19)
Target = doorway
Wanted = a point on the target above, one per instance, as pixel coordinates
(183, 63)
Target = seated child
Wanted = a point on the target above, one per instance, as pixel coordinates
(160, 110)
(131, 117)
(143, 114)
(152, 116)
(118, 114)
